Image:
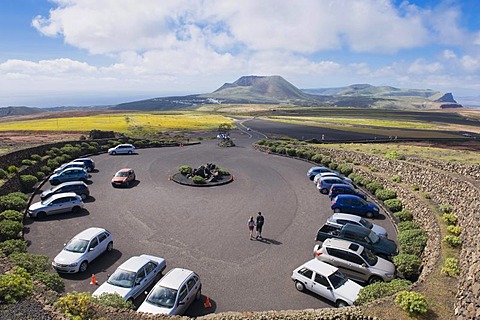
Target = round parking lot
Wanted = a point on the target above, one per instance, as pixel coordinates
(202, 229)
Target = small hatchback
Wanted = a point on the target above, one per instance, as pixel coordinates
(355, 261)
(313, 171)
(124, 148)
(174, 293)
(88, 162)
(341, 219)
(69, 174)
(331, 174)
(337, 189)
(325, 183)
(348, 203)
(79, 187)
(123, 177)
(58, 203)
(72, 164)
(82, 249)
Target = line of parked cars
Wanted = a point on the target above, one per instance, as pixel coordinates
(350, 249)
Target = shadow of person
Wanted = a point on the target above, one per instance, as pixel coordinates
(269, 241)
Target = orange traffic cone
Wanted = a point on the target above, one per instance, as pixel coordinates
(169, 178)
(233, 178)
(93, 281)
(207, 303)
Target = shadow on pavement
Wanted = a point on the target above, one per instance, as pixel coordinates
(201, 308)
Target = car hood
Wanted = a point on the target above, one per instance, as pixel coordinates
(348, 291)
(150, 308)
(107, 287)
(379, 230)
(36, 206)
(67, 257)
(384, 266)
(386, 246)
(119, 179)
(46, 193)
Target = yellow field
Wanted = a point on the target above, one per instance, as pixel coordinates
(121, 122)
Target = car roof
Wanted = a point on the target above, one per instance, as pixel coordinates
(346, 216)
(71, 183)
(125, 145)
(175, 277)
(317, 168)
(134, 263)
(340, 185)
(124, 169)
(352, 196)
(82, 159)
(319, 267)
(89, 233)
(63, 195)
(343, 244)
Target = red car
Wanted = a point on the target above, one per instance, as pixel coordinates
(123, 178)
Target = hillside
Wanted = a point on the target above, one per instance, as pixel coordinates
(19, 111)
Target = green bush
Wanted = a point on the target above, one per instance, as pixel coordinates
(10, 229)
(28, 182)
(40, 175)
(76, 305)
(415, 187)
(449, 218)
(13, 215)
(8, 247)
(36, 157)
(445, 208)
(15, 285)
(223, 172)
(451, 267)
(345, 169)
(407, 225)
(45, 169)
(455, 230)
(412, 241)
(12, 201)
(385, 194)
(394, 155)
(198, 180)
(396, 178)
(317, 158)
(358, 179)
(408, 265)
(404, 215)
(52, 163)
(291, 152)
(412, 302)
(27, 162)
(3, 174)
(114, 300)
(373, 186)
(18, 194)
(12, 169)
(379, 290)
(393, 205)
(185, 170)
(33, 263)
(333, 165)
(453, 241)
(51, 280)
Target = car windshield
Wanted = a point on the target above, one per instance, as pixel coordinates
(366, 223)
(337, 279)
(373, 237)
(122, 278)
(76, 245)
(163, 297)
(369, 257)
(122, 174)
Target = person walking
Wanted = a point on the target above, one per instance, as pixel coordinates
(260, 222)
(251, 225)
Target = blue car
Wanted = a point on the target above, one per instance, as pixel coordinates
(89, 163)
(349, 203)
(69, 174)
(313, 171)
(337, 189)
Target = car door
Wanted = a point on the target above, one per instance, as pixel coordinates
(151, 272)
(103, 243)
(347, 206)
(93, 249)
(57, 206)
(183, 299)
(358, 206)
(338, 258)
(193, 287)
(321, 286)
(140, 283)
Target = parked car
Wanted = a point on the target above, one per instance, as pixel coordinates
(340, 219)
(349, 203)
(72, 164)
(123, 177)
(326, 281)
(355, 261)
(174, 293)
(57, 203)
(69, 174)
(337, 189)
(79, 187)
(133, 277)
(88, 162)
(331, 174)
(325, 183)
(124, 148)
(82, 249)
(313, 171)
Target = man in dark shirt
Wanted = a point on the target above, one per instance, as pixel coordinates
(260, 222)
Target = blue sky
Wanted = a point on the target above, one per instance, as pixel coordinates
(94, 52)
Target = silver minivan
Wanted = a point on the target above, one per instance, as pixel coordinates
(355, 261)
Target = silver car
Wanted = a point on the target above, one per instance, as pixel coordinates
(355, 261)
(124, 148)
(58, 203)
(340, 219)
(331, 174)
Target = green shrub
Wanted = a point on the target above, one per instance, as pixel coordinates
(185, 170)
(394, 155)
(18, 194)
(373, 186)
(27, 162)
(76, 305)
(379, 290)
(412, 302)
(40, 175)
(385, 194)
(11, 215)
(291, 152)
(3, 174)
(396, 178)
(12, 169)
(415, 187)
(198, 180)
(28, 182)
(333, 165)
(223, 172)
(317, 158)
(326, 161)
(10, 229)
(393, 205)
(455, 230)
(445, 208)
(72, 151)
(449, 218)
(52, 163)
(12, 202)
(36, 157)
(412, 241)
(358, 179)
(45, 169)
(404, 215)
(407, 225)
(51, 280)
(8, 247)
(345, 169)
(114, 300)
(15, 285)
(33, 263)
(453, 241)
(451, 267)
(408, 265)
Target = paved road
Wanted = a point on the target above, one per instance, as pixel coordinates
(203, 229)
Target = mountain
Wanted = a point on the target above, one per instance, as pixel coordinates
(19, 111)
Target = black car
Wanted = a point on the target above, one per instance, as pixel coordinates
(79, 187)
(337, 189)
(89, 163)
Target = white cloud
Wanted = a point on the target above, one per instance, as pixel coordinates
(420, 66)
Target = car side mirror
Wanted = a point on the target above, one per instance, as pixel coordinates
(181, 303)
(137, 282)
(364, 265)
(329, 288)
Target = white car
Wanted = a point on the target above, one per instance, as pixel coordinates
(124, 148)
(82, 250)
(330, 174)
(133, 277)
(58, 203)
(174, 293)
(70, 165)
(326, 281)
(340, 219)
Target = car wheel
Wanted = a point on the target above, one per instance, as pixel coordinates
(83, 266)
(41, 215)
(299, 286)
(341, 304)
(110, 246)
(324, 191)
(337, 210)
(83, 196)
(311, 178)
(76, 209)
(198, 295)
(113, 153)
(129, 152)
(369, 214)
(374, 279)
